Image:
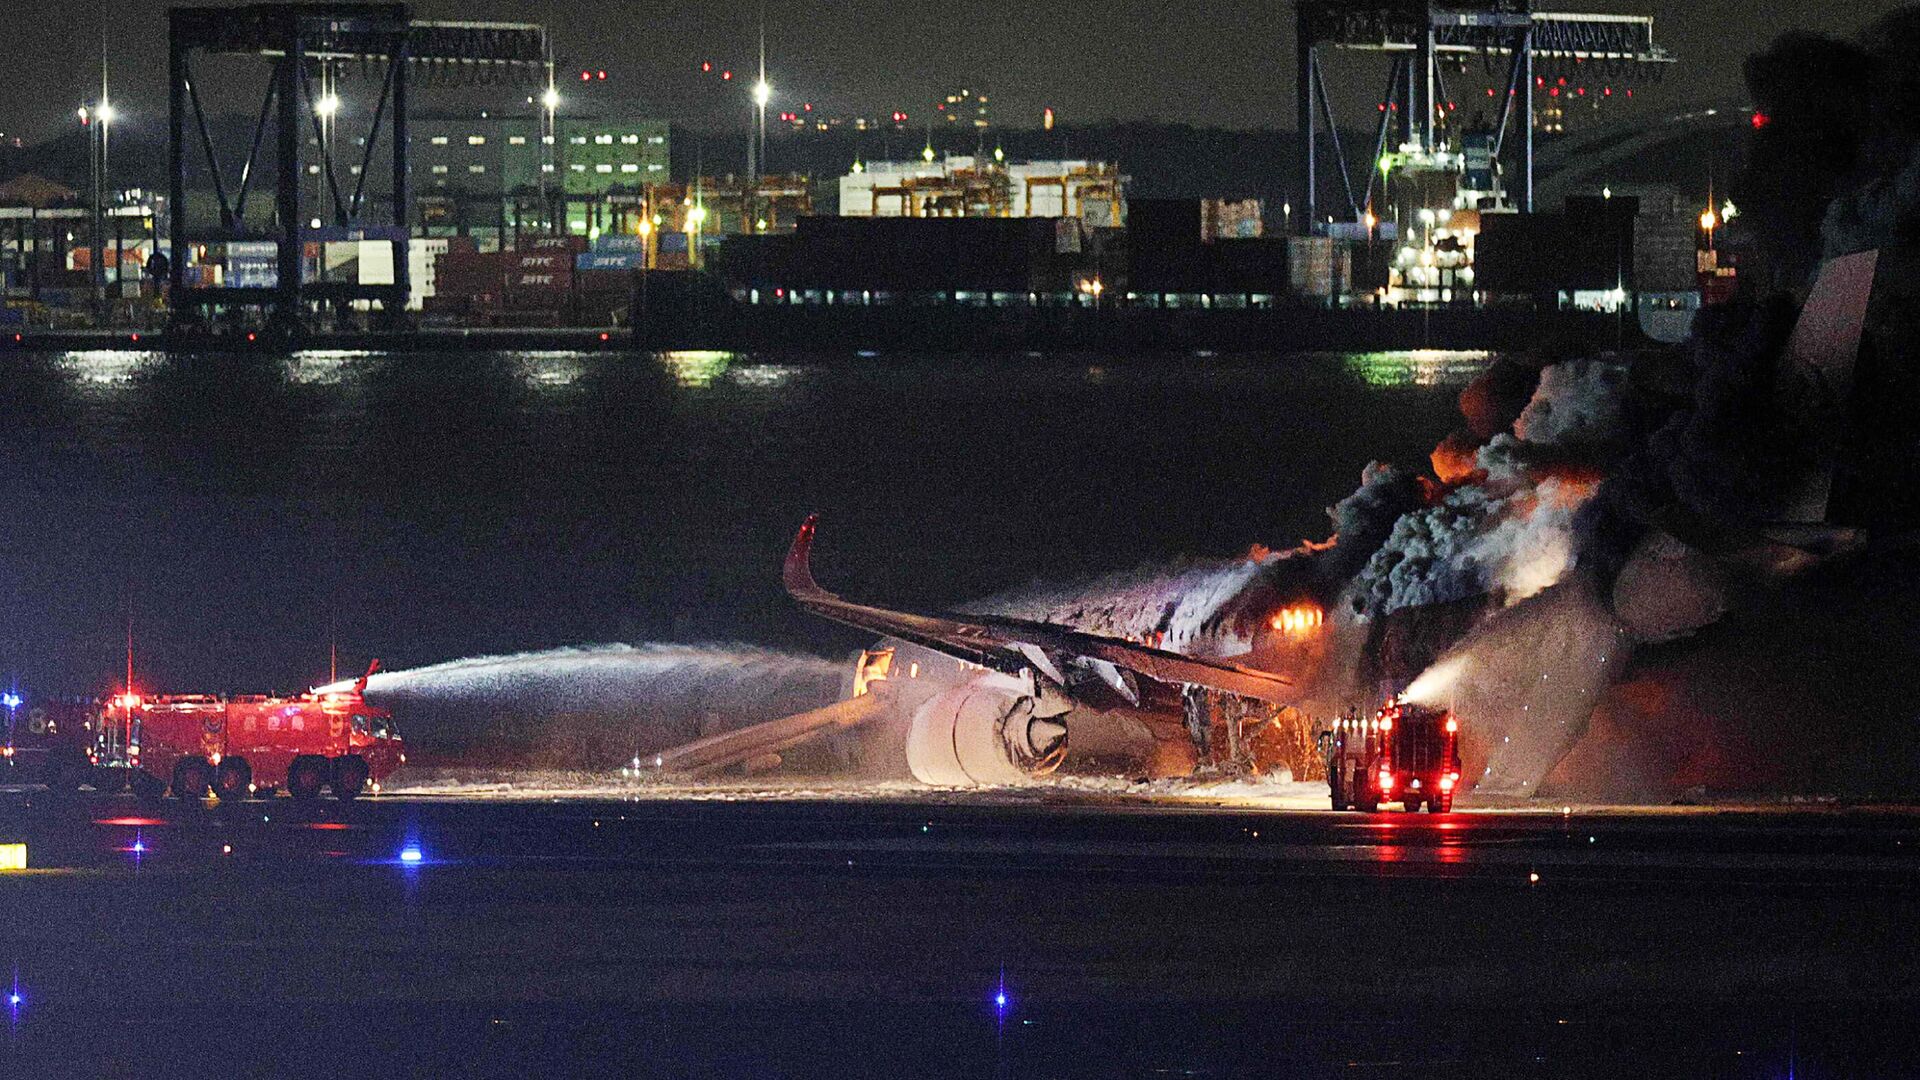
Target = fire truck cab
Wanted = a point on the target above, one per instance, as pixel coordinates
(47, 740)
(247, 745)
(1404, 753)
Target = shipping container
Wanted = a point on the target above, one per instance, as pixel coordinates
(571, 245)
(251, 264)
(1318, 266)
(608, 260)
(625, 243)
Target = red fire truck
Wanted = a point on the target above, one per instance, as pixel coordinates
(1405, 753)
(48, 740)
(248, 745)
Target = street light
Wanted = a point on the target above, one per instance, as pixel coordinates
(327, 107)
(550, 99)
(96, 120)
(761, 93)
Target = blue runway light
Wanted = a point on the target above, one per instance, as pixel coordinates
(11, 701)
(410, 854)
(1000, 1000)
(15, 998)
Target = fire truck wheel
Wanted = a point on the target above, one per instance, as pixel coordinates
(146, 786)
(63, 774)
(1411, 806)
(1444, 806)
(231, 779)
(1367, 804)
(349, 778)
(190, 779)
(306, 776)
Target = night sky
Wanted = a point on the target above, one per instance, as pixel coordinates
(1223, 63)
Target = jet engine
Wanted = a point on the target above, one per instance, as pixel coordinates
(992, 729)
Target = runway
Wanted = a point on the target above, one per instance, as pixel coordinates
(799, 935)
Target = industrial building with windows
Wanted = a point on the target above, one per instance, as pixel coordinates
(491, 175)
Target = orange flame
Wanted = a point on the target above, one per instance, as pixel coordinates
(1299, 619)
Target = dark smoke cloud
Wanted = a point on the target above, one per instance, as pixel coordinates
(1836, 167)
(1364, 520)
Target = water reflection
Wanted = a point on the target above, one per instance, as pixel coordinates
(106, 367)
(1417, 367)
(553, 369)
(766, 376)
(696, 368)
(324, 367)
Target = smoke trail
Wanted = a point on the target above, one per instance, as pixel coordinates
(596, 706)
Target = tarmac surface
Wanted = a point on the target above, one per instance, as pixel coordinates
(794, 934)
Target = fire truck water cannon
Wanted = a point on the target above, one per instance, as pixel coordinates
(1404, 753)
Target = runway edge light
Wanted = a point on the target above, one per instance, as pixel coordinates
(13, 856)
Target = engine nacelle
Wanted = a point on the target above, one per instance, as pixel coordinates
(985, 731)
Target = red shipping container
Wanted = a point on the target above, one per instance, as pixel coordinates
(571, 245)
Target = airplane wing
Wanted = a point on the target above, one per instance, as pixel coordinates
(1013, 645)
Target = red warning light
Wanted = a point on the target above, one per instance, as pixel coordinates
(706, 65)
(1582, 91)
(1489, 91)
(600, 75)
(727, 76)
(807, 107)
(1761, 120)
(586, 76)
(1553, 91)
(1606, 91)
